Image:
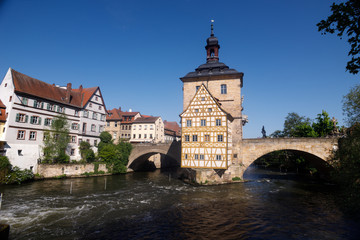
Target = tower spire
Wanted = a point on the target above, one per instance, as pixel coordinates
(212, 28)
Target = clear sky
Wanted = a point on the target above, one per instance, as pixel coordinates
(136, 51)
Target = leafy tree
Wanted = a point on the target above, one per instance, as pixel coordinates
(351, 106)
(277, 134)
(105, 139)
(347, 168)
(345, 20)
(293, 120)
(86, 152)
(304, 130)
(56, 141)
(323, 125)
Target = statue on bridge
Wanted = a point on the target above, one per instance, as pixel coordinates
(263, 132)
(335, 131)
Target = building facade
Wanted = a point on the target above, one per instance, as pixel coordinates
(119, 123)
(2, 126)
(216, 81)
(31, 105)
(206, 141)
(172, 131)
(147, 129)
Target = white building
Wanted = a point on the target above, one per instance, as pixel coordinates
(30, 106)
(147, 129)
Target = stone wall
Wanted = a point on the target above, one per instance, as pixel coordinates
(54, 170)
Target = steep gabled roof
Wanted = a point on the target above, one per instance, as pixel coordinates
(171, 128)
(118, 115)
(216, 101)
(34, 87)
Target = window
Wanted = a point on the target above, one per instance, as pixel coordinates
(20, 152)
(32, 135)
(195, 137)
(186, 156)
(223, 89)
(115, 124)
(196, 110)
(21, 118)
(203, 99)
(21, 135)
(134, 127)
(51, 107)
(84, 127)
(115, 134)
(35, 120)
(123, 127)
(187, 138)
(86, 114)
(201, 156)
(218, 122)
(95, 143)
(5, 84)
(139, 127)
(188, 123)
(145, 135)
(38, 104)
(24, 101)
(100, 107)
(94, 116)
(76, 113)
(103, 117)
(218, 157)
(72, 152)
(10, 98)
(90, 105)
(139, 135)
(101, 128)
(108, 124)
(220, 138)
(151, 136)
(197, 88)
(151, 127)
(134, 136)
(196, 156)
(145, 127)
(203, 122)
(93, 127)
(60, 109)
(207, 138)
(74, 126)
(73, 139)
(209, 109)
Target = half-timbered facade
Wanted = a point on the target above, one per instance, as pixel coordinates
(206, 136)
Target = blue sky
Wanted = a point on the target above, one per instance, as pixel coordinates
(136, 51)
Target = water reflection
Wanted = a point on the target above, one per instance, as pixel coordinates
(150, 205)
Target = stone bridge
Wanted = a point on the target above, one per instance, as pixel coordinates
(143, 151)
(315, 148)
(318, 150)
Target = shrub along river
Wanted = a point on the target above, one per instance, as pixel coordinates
(152, 205)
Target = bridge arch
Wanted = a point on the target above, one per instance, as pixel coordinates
(320, 150)
(142, 152)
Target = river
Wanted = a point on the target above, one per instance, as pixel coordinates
(153, 205)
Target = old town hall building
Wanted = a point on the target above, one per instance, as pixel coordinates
(212, 117)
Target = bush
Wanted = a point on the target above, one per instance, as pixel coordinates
(18, 176)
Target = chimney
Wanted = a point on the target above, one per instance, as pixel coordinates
(81, 88)
(68, 91)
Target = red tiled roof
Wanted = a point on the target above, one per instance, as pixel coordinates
(28, 85)
(118, 115)
(172, 127)
(2, 112)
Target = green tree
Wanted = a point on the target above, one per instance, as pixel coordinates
(105, 139)
(86, 152)
(292, 121)
(304, 130)
(277, 134)
(56, 141)
(345, 20)
(323, 125)
(351, 106)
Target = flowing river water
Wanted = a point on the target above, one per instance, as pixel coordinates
(153, 205)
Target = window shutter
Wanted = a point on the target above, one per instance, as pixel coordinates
(42, 105)
(39, 123)
(26, 118)
(35, 103)
(48, 106)
(17, 117)
(31, 119)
